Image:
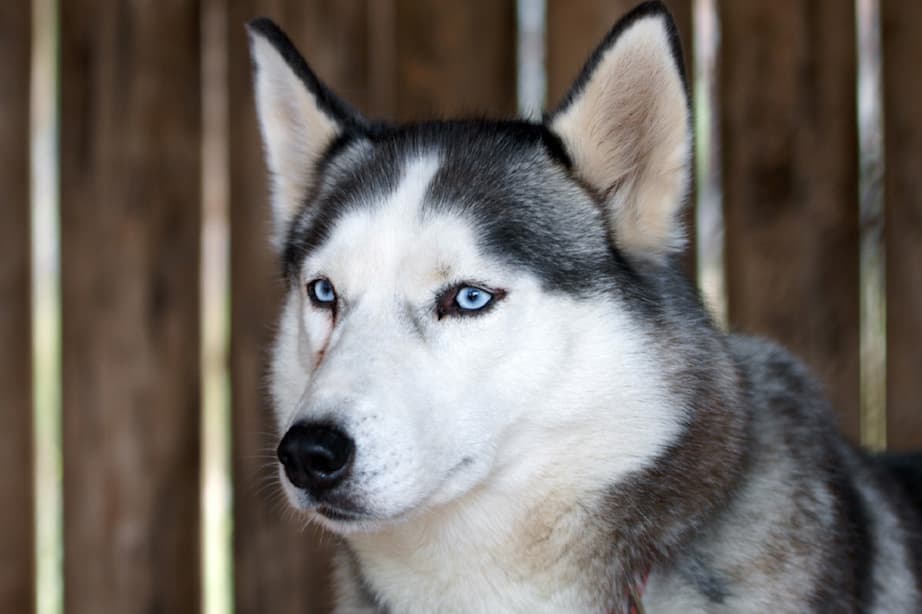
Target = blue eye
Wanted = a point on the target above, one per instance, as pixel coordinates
(470, 298)
(321, 292)
(463, 300)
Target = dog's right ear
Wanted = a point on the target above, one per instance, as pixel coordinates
(299, 117)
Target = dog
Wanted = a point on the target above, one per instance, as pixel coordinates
(494, 382)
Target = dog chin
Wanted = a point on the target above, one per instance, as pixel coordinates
(347, 523)
(344, 515)
(340, 517)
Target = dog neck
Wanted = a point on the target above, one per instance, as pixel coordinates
(552, 546)
(549, 554)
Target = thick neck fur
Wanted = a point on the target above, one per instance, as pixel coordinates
(552, 548)
(484, 555)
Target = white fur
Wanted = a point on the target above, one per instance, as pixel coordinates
(476, 436)
(627, 131)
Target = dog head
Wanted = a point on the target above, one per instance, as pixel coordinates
(467, 304)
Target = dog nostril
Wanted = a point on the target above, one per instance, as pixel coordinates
(327, 456)
(315, 457)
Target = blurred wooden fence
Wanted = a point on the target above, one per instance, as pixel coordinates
(130, 169)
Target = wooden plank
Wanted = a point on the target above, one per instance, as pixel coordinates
(17, 561)
(130, 226)
(279, 565)
(789, 142)
(902, 50)
(455, 59)
(575, 28)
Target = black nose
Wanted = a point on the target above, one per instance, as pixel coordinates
(316, 457)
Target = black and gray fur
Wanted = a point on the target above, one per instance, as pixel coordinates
(760, 505)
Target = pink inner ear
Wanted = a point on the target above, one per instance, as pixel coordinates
(627, 129)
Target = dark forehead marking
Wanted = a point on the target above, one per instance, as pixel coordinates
(511, 180)
(360, 167)
(349, 174)
(528, 211)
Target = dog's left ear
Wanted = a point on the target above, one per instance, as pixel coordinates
(626, 125)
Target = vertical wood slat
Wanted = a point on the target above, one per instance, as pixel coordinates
(130, 229)
(455, 59)
(575, 28)
(393, 59)
(789, 142)
(16, 507)
(279, 566)
(902, 50)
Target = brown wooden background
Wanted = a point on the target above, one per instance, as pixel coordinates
(130, 168)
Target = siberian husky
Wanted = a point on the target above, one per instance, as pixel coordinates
(493, 380)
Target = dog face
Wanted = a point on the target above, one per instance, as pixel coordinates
(464, 301)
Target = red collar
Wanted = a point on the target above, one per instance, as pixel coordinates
(635, 591)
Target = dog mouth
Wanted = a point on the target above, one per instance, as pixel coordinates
(331, 512)
(342, 513)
